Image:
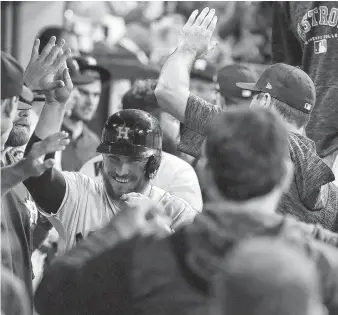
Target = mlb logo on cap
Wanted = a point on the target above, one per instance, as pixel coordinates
(287, 84)
(307, 106)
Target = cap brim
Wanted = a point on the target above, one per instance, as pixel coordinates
(125, 150)
(82, 79)
(248, 86)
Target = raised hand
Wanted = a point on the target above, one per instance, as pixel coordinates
(62, 93)
(196, 34)
(42, 69)
(53, 143)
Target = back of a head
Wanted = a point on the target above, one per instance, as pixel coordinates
(141, 96)
(228, 76)
(264, 277)
(246, 151)
(46, 33)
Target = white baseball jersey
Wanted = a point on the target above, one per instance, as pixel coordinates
(174, 175)
(87, 207)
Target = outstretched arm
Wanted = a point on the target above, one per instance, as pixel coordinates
(31, 166)
(172, 91)
(48, 72)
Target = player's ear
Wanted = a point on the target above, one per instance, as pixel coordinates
(265, 100)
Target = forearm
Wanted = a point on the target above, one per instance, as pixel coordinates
(198, 115)
(172, 90)
(50, 119)
(48, 190)
(12, 175)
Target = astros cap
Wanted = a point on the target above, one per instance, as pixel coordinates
(287, 84)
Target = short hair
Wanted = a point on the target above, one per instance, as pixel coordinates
(265, 276)
(246, 150)
(289, 113)
(49, 31)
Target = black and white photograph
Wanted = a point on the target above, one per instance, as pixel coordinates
(169, 158)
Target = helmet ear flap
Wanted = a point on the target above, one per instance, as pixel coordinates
(152, 166)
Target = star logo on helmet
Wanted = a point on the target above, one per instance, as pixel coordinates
(123, 132)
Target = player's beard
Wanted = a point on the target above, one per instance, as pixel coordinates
(18, 137)
(138, 186)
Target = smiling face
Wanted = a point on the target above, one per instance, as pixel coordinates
(124, 174)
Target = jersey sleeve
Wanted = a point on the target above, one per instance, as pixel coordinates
(73, 207)
(185, 184)
(180, 212)
(198, 115)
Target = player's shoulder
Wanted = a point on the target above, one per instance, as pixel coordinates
(78, 180)
(175, 163)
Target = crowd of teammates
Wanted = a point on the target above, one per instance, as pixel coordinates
(182, 206)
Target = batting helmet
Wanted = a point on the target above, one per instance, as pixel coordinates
(133, 132)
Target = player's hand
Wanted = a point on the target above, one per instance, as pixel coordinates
(53, 143)
(136, 200)
(196, 34)
(60, 94)
(42, 69)
(141, 215)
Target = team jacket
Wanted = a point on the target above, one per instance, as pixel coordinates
(86, 207)
(172, 275)
(305, 34)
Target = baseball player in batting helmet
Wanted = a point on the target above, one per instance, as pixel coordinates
(131, 146)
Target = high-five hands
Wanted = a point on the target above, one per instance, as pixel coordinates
(42, 68)
(47, 72)
(196, 34)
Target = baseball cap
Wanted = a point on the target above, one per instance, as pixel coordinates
(88, 66)
(287, 84)
(229, 75)
(12, 81)
(203, 70)
(74, 71)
